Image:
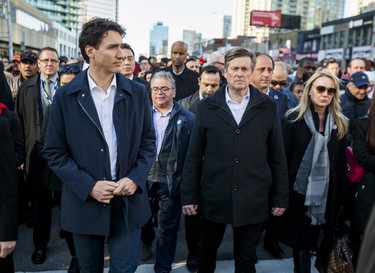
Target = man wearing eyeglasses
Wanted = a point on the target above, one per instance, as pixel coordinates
(28, 67)
(173, 125)
(217, 59)
(34, 95)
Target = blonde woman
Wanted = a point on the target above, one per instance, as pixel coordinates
(314, 136)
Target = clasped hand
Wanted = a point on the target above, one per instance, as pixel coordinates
(104, 190)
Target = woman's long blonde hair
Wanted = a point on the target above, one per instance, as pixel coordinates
(334, 107)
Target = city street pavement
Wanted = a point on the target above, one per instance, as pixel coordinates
(58, 257)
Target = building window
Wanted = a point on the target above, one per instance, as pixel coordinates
(357, 37)
(336, 40)
(366, 36)
(342, 38)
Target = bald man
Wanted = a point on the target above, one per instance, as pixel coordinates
(279, 81)
(186, 79)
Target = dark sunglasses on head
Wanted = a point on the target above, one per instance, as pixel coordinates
(325, 62)
(69, 68)
(281, 83)
(322, 89)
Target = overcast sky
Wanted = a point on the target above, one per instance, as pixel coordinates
(139, 17)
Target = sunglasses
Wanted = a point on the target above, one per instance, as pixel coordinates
(325, 62)
(69, 68)
(322, 89)
(282, 83)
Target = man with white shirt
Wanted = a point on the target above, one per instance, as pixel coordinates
(173, 126)
(228, 174)
(100, 142)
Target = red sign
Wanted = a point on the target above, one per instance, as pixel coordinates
(264, 18)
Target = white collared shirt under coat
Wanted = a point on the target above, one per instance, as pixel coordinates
(104, 102)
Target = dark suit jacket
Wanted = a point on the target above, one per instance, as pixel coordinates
(366, 188)
(236, 172)
(189, 103)
(281, 102)
(5, 91)
(29, 109)
(77, 153)
(186, 82)
(8, 184)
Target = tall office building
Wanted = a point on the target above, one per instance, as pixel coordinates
(360, 6)
(193, 39)
(72, 13)
(66, 12)
(313, 13)
(99, 8)
(225, 26)
(159, 40)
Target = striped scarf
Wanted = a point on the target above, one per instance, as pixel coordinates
(312, 179)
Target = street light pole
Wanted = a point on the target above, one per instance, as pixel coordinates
(10, 33)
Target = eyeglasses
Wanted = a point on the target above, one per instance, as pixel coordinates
(47, 61)
(163, 89)
(65, 69)
(30, 55)
(281, 83)
(322, 89)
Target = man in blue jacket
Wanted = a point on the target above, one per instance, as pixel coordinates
(173, 125)
(100, 142)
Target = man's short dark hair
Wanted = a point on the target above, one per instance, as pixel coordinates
(257, 54)
(127, 46)
(49, 49)
(210, 69)
(236, 52)
(190, 59)
(305, 60)
(94, 31)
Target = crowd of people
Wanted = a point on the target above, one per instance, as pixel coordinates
(123, 146)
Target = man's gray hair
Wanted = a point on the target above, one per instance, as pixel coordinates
(283, 65)
(166, 75)
(216, 56)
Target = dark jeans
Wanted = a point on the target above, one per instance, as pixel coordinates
(123, 247)
(245, 241)
(192, 233)
(41, 202)
(148, 233)
(6, 264)
(168, 223)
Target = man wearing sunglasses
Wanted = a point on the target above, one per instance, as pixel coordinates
(354, 101)
(34, 95)
(28, 67)
(281, 82)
